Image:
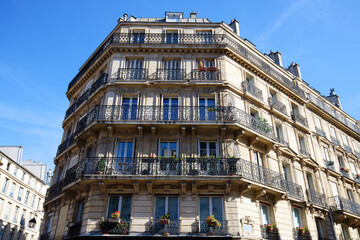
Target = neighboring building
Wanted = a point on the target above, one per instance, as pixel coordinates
(39, 169)
(22, 195)
(182, 115)
(14, 152)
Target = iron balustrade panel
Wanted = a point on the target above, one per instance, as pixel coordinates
(299, 118)
(111, 165)
(55, 190)
(74, 231)
(260, 174)
(356, 177)
(335, 141)
(74, 173)
(132, 74)
(268, 234)
(70, 110)
(173, 228)
(222, 230)
(277, 105)
(173, 74)
(65, 144)
(254, 91)
(347, 148)
(298, 235)
(115, 228)
(83, 98)
(283, 141)
(338, 203)
(345, 173)
(294, 190)
(207, 75)
(316, 198)
(320, 132)
(330, 165)
(207, 166)
(99, 82)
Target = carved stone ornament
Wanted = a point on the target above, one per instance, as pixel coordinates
(247, 226)
(285, 159)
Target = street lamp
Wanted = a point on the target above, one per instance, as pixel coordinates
(32, 222)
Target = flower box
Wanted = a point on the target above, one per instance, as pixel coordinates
(202, 69)
(164, 221)
(212, 69)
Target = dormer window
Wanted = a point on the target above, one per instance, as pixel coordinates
(173, 16)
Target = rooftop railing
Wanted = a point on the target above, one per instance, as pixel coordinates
(316, 198)
(274, 103)
(338, 203)
(252, 90)
(173, 74)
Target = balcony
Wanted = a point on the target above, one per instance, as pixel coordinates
(330, 165)
(216, 231)
(283, 141)
(347, 148)
(316, 198)
(100, 81)
(132, 74)
(213, 75)
(65, 144)
(171, 75)
(304, 152)
(335, 141)
(172, 228)
(54, 190)
(301, 235)
(174, 114)
(252, 90)
(276, 104)
(356, 177)
(338, 203)
(299, 119)
(294, 190)
(109, 227)
(320, 132)
(268, 234)
(345, 172)
(74, 230)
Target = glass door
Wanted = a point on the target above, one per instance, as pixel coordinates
(296, 217)
(171, 70)
(134, 69)
(264, 211)
(166, 205)
(209, 164)
(129, 109)
(125, 150)
(169, 162)
(210, 206)
(138, 37)
(258, 166)
(170, 109)
(207, 109)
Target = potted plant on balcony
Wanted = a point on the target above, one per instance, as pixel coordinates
(123, 226)
(165, 218)
(331, 163)
(270, 227)
(345, 169)
(104, 225)
(114, 217)
(211, 109)
(232, 165)
(101, 166)
(262, 124)
(302, 230)
(212, 222)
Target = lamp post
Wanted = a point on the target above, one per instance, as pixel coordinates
(32, 222)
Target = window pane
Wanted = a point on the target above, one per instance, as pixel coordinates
(264, 215)
(163, 151)
(297, 218)
(217, 208)
(126, 207)
(173, 208)
(160, 207)
(204, 208)
(113, 205)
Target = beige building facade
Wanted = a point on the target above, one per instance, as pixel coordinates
(21, 199)
(183, 116)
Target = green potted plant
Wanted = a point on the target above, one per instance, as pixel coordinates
(101, 166)
(262, 124)
(270, 227)
(212, 222)
(165, 218)
(302, 230)
(123, 226)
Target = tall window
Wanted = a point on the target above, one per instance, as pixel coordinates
(16, 214)
(320, 226)
(170, 108)
(12, 190)
(334, 189)
(296, 216)
(27, 197)
(265, 213)
(167, 204)
(33, 200)
(7, 211)
(210, 206)
(20, 193)
(78, 211)
(121, 204)
(350, 194)
(341, 161)
(22, 219)
(168, 149)
(49, 222)
(207, 109)
(302, 144)
(355, 145)
(138, 36)
(171, 70)
(59, 175)
(124, 153)
(345, 232)
(325, 153)
(310, 182)
(129, 108)
(6, 182)
(286, 173)
(1, 205)
(280, 132)
(172, 37)
(135, 67)
(208, 149)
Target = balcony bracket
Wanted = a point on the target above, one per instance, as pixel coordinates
(102, 186)
(183, 131)
(353, 222)
(149, 187)
(245, 188)
(260, 193)
(239, 133)
(183, 187)
(193, 188)
(140, 131)
(153, 131)
(228, 188)
(193, 131)
(253, 140)
(136, 187)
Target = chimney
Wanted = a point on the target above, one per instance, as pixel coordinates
(193, 15)
(276, 57)
(125, 16)
(333, 98)
(294, 68)
(235, 26)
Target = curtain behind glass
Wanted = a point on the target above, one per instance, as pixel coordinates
(173, 208)
(126, 207)
(160, 207)
(204, 208)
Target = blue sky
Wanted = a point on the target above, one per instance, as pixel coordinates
(43, 44)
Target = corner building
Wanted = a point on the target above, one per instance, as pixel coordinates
(182, 115)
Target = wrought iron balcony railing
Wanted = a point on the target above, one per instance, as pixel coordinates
(173, 74)
(54, 190)
(335, 141)
(301, 234)
(164, 166)
(206, 75)
(254, 91)
(299, 118)
(347, 148)
(171, 114)
(45, 236)
(132, 74)
(282, 141)
(101, 80)
(269, 234)
(338, 203)
(65, 144)
(330, 165)
(316, 198)
(74, 230)
(320, 132)
(172, 228)
(222, 230)
(345, 173)
(294, 190)
(274, 103)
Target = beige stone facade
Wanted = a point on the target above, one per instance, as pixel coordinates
(182, 115)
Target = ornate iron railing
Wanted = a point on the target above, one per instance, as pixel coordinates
(316, 198)
(207, 75)
(335, 141)
(222, 230)
(320, 132)
(347, 148)
(282, 141)
(100, 81)
(45, 236)
(299, 118)
(268, 234)
(338, 203)
(172, 228)
(173, 74)
(300, 235)
(330, 165)
(132, 74)
(74, 231)
(54, 190)
(65, 144)
(74, 173)
(345, 173)
(274, 103)
(171, 114)
(254, 91)
(294, 190)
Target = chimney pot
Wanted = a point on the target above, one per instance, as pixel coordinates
(125, 16)
(193, 15)
(235, 26)
(294, 68)
(276, 57)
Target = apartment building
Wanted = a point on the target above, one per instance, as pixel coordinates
(186, 129)
(21, 201)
